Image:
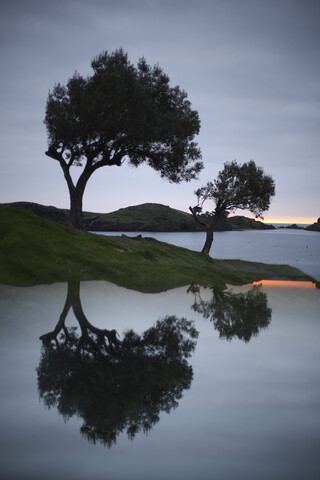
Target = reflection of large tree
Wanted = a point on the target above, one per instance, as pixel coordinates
(240, 315)
(117, 386)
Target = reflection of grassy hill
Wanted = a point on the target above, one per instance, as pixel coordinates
(34, 250)
(148, 217)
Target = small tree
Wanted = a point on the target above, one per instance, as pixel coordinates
(121, 112)
(244, 187)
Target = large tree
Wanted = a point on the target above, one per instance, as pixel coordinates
(244, 187)
(121, 113)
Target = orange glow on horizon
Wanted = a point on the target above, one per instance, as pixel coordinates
(290, 220)
(285, 284)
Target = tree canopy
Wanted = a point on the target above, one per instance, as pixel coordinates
(121, 113)
(244, 187)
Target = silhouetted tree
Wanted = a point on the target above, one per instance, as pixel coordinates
(244, 187)
(240, 315)
(121, 112)
(114, 387)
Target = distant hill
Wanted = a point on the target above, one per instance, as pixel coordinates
(148, 217)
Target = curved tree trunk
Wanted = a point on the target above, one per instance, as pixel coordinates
(73, 300)
(209, 226)
(76, 196)
(208, 242)
(76, 208)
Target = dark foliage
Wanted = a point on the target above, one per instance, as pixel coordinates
(121, 112)
(244, 187)
(235, 315)
(116, 386)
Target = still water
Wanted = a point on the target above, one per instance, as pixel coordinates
(234, 395)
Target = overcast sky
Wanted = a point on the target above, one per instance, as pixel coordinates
(250, 67)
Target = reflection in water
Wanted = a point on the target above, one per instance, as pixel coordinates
(114, 385)
(240, 315)
(286, 284)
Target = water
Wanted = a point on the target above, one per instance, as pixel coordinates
(250, 409)
(298, 248)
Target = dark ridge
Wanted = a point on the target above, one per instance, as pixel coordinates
(148, 217)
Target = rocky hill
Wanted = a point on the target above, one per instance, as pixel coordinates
(315, 227)
(148, 217)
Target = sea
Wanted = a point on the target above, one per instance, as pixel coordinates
(297, 248)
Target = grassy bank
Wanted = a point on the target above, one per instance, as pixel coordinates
(35, 251)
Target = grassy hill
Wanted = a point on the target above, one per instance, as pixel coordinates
(148, 217)
(34, 251)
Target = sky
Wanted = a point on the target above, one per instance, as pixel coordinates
(251, 68)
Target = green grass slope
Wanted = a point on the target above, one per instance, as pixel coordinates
(34, 251)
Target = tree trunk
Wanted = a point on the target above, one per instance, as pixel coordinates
(210, 228)
(76, 194)
(76, 208)
(208, 242)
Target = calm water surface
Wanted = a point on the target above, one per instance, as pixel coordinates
(244, 405)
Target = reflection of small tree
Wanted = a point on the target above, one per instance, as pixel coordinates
(240, 315)
(116, 388)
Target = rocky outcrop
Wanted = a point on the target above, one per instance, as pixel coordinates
(239, 222)
(315, 227)
(294, 226)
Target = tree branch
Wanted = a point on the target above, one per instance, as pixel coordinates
(52, 153)
(196, 217)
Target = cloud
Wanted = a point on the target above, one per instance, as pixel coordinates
(250, 68)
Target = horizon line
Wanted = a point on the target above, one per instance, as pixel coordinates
(290, 219)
